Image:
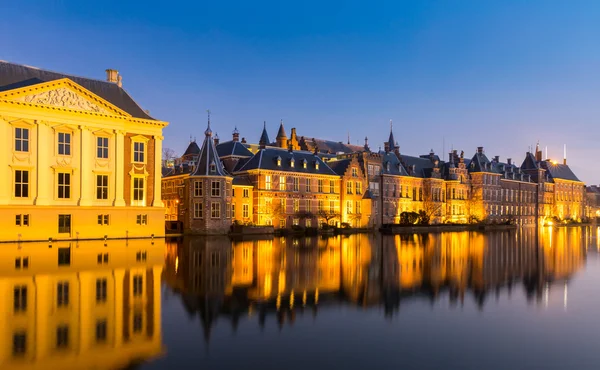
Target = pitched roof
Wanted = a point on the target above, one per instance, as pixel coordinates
(558, 171)
(340, 166)
(14, 76)
(233, 148)
(391, 142)
(481, 163)
(267, 158)
(423, 166)
(327, 146)
(529, 163)
(392, 165)
(241, 181)
(209, 157)
(281, 132)
(264, 137)
(192, 149)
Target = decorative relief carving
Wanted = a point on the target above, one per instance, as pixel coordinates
(63, 162)
(63, 97)
(21, 157)
(102, 162)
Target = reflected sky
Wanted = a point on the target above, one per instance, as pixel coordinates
(514, 299)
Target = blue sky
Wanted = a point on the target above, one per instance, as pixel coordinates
(498, 74)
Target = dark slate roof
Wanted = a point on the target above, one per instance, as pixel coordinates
(327, 146)
(340, 167)
(241, 181)
(208, 156)
(481, 163)
(14, 76)
(233, 148)
(558, 171)
(266, 159)
(529, 163)
(391, 141)
(423, 166)
(392, 165)
(181, 169)
(192, 149)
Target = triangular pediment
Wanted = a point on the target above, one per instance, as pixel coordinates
(63, 93)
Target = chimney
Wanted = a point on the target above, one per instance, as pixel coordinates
(509, 161)
(216, 139)
(565, 156)
(480, 149)
(111, 75)
(243, 140)
(236, 135)
(386, 146)
(120, 81)
(497, 159)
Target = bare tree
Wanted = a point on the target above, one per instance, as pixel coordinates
(168, 155)
(327, 215)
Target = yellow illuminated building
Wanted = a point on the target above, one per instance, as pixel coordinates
(77, 157)
(86, 305)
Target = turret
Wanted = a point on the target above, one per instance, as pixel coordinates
(281, 138)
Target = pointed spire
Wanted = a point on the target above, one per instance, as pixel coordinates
(190, 138)
(367, 144)
(391, 141)
(264, 137)
(208, 131)
(348, 137)
(236, 134)
(281, 136)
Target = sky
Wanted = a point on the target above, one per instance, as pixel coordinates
(450, 74)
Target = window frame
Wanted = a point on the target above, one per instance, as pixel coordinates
(63, 190)
(102, 189)
(21, 140)
(101, 149)
(21, 184)
(65, 144)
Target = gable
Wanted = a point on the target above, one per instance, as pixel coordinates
(63, 93)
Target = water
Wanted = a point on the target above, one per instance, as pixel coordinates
(454, 300)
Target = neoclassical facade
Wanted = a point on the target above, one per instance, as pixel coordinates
(77, 157)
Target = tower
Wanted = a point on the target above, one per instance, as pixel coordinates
(281, 138)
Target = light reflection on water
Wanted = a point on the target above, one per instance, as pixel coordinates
(453, 300)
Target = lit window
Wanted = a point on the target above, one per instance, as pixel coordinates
(282, 205)
(215, 188)
(348, 206)
(316, 165)
(304, 163)
(101, 187)
(138, 189)
(359, 188)
(64, 185)
(308, 185)
(198, 210)
(268, 182)
(102, 147)
(296, 205)
(308, 205)
(349, 187)
(197, 188)
(331, 206)
(138, 285)
(21, 184)
(245, 210)
(246, 193)
(358, 210)
(320, 186)
(228, 211)
(138, 152)
(64, 143)
(215, 210)
(21, 139)
(320, 205)
(354, 172)
(278, 161)
(281, 182)
(292, 163)
(296, 184)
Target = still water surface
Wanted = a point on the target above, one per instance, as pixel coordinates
(501, 300)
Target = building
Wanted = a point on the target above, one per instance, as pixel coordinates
(77, 156)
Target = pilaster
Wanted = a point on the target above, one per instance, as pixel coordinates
(5, 148)
(118, 276)
(119, 200)
(44, 174)
(86, 175)
(157, 319)
(157, 202)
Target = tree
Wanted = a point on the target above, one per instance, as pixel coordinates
(327, 216)
(431, 207)
(168, 155)
(409, 218)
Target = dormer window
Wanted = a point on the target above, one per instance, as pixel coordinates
(278, 161)
(304, 163)
(316, 165)
(213, 168)
(387, 166)
(292, 162)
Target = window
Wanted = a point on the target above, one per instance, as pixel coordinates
(304, 163)
(245, 211)
(19, 343)
(102, 258)
(138, 321)
(62, 336)
(320, 205)
(64, 143)
(62, 294)
(292, 162)
(228, 211)
(21, 139)
(142, 220)
(308, 205)
(320, 186)
(296, 222)
(101, 286)
(138, 287)
(103, 219)
(348, 206)
(197, 188)
(198, 210)
(308, 185)
(359, 188)
(308, 222)
(101, 330)
(370, 170)
(215, 188)
(296, 205)
(215, 210)
(246, 193)
(22, 220)
(20, 298)
(282, 205)
(316, 165)
(21, 184)
(101, 186)
(233, 210)
(213, 167)
(296, 183)
(64, 256)
(138, 189)
(331, 206)
(268, 182)
(354, 172)
(278, 161)
(349, 187)
(138, 152)
(331, 186)
(64, 185)
(281, 182)
(358, 210)
(102, 147)
(64, 223)
(21, 262)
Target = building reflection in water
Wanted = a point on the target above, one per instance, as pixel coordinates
(285, 277)
(75, 305)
